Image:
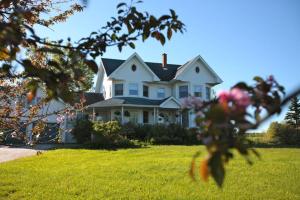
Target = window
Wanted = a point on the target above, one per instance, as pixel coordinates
(145, 117)
(133, 68)
(133, 89)
(198, 90)
(208, 93)
(197, 70)
(133, 117)
(119, 89)
(183, 91)
(145, 91)
(161, 93)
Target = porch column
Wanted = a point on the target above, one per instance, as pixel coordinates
(154, 118)
(180, 118)
(122, 115)
(94, 113)
(156, 115)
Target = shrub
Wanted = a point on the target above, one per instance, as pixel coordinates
(109, 135)
(110, 128)
(160, 133)
(82, 130)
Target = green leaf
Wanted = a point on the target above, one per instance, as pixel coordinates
(258, 79)
(121, 4)
(217, 168)
(132, 45)
(173, 13)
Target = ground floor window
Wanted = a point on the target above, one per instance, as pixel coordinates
(133, 117)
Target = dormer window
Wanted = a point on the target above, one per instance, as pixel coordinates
(133, 67)
(197, 70)
(161, 93)
(133, 89)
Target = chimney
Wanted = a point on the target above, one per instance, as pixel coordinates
(164, 60)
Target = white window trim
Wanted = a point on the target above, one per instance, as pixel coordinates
(188, 85)
(201, 90)
(206, 94)
(129, 89)
(148, 90)
(114, 89)
(164, 89)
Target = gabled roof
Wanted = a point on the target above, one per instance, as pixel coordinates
(167, 73)
(164, 74)
(187, 64)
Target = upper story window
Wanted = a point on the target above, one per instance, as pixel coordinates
(133, 89)
(145, 91)
(133, 67)
(197, 70)
(119, 89)
(198, 90)
(183, 91)
(161, 93)
(208, 93)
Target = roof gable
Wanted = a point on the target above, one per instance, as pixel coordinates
(124, 63)
(170, 72)
(170, 102)
(191, 63)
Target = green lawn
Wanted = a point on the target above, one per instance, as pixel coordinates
(158, 172)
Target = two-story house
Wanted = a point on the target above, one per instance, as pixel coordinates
(139, 92)
(145, 92)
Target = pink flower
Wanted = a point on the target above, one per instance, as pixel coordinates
(192, 102)
(60, 118)
(238, 97)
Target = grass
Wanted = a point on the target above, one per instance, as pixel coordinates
(158, 172)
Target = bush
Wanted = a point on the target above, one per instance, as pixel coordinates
(109, 135)
(161, 134)
(82, 130)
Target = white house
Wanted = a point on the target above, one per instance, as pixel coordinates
(146, 92)
(142, 92)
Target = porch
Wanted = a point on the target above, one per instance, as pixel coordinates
(137, 111)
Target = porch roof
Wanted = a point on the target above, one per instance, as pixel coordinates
(130, 101)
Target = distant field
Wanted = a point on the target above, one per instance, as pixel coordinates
(157, 172)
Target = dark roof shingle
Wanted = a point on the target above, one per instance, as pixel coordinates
(163, 73)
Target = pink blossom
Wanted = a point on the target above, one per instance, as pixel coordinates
(192, 102)
(60, 118)
(238, 97)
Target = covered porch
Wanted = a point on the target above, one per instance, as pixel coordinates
(137, 111)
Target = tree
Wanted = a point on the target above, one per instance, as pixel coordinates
(292, 117)
(18, 19)
(61, 68)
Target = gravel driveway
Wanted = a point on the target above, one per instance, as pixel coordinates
(11, 153)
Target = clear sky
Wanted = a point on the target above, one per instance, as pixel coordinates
(238, 39)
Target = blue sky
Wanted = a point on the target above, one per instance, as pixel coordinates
(238, 39)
